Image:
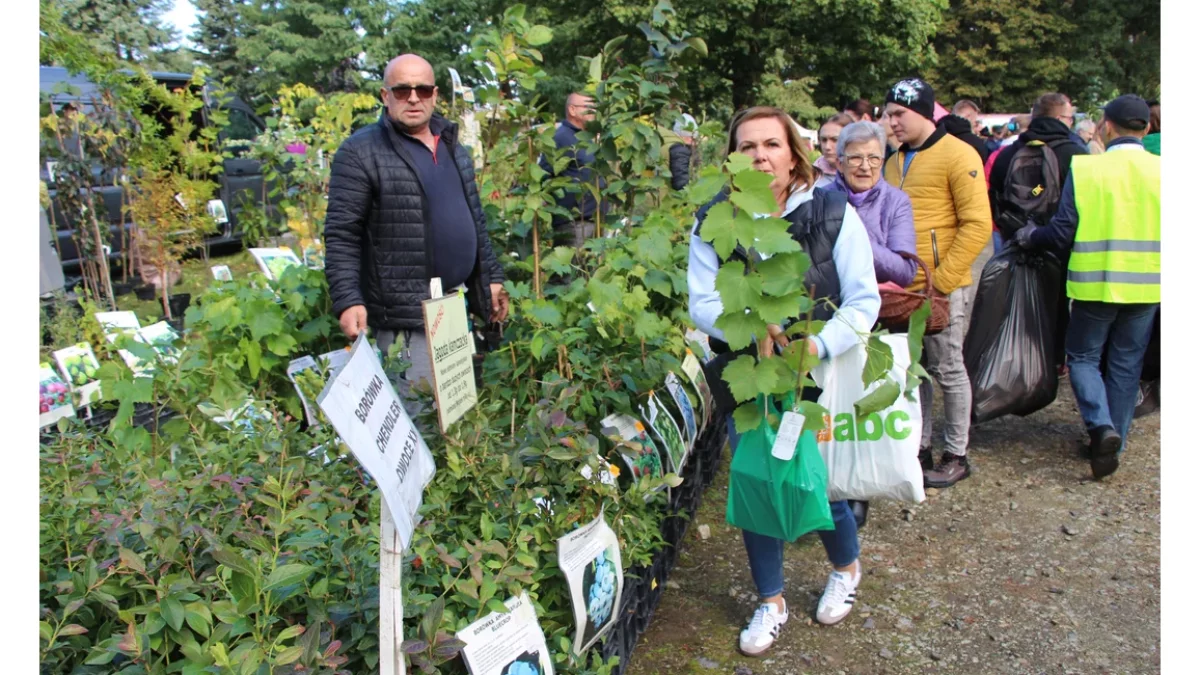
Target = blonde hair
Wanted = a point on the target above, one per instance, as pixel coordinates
(803, 172)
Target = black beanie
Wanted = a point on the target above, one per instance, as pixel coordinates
(914, 94)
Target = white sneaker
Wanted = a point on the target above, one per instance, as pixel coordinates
(838, 599)
(764, 627)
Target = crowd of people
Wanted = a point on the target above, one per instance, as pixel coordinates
(885, 205)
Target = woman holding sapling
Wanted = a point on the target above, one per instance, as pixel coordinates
(842, 270)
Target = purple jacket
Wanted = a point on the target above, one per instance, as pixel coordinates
(887, 213)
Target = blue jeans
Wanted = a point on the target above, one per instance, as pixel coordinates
(997, 243)
(1108, 400)
(766, 553)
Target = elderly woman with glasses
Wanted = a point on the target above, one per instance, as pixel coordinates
(885, 211)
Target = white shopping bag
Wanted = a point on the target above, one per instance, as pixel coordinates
(875, 457)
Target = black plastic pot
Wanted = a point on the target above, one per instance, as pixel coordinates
(178, 304)
(145, 292)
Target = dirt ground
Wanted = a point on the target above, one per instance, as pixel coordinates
(1028, 566)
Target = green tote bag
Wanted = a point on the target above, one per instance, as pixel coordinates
(772, 497)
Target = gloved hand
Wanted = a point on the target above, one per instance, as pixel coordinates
(1024, 236)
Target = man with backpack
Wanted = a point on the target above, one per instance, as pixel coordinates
(1026, 183)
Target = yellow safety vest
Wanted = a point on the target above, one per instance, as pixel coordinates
(1115, 258)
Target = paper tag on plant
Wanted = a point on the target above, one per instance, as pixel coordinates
(789, 435)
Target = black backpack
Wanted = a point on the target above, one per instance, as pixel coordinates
(1032, 187)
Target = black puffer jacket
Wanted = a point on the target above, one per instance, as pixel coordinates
(681, 158)
(376, 229)
(960, 128)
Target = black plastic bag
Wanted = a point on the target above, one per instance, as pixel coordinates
(1010, 344)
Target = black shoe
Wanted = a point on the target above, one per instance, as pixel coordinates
(1147, 402)
(859, 509)
(925, 456)
(952, 469)
(1106, 443)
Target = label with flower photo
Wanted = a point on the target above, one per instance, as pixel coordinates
(590, 557)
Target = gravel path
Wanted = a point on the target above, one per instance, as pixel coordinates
(1028, 566)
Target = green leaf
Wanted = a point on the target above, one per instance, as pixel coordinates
(596, 68)
(289, 655)
(754, 192)
(783, 273)
(545, 312)
(539, 35)
(880, 399)
(659, 282)
(281, 344)
(132, 560)
(233, 561)
(738, 163)
(286, 575)
(798, 357)
(912, 379)
(71, 629)
(172, 612)
(747, 417)
(738, 290)
(720, 229)
(777, 309)
(739, 374)
(771, 237)
(253, 352)
(559, 260)
(432, 621)
(265, 323)
(707, 186)
(814, 415)
(697, 44)
(774, 376)
(289, 633)
(916, 331)
(739, 329)
(879, 360)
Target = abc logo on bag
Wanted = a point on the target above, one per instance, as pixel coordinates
(872, 427)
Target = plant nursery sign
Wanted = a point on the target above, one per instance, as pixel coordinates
(591, 560)
(364, 409)
(511, 643)
(451, 348)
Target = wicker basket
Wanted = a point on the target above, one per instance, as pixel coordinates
(897, 306)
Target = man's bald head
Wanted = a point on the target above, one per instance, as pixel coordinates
(408, 64)
(580, 109)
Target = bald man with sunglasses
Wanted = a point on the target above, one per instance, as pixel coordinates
(404, 208)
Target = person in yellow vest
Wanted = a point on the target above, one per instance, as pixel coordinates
(953, 222)
(1109, 220)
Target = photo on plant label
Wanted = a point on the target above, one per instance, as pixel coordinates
(599, 588)
(222, 273)
(685, 406)
(55, 397)
(161, 336)
(77, 364)
(695, 376)
(525, 664)
(273, 261)
(638, 450)
(667, 432)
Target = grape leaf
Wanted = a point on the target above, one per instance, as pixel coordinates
(738, 290)
(740, 328)
(719, 228)
(737, 163)
(776, 309)
(774, 376)
(771, 237)
(784, 273)
(916, 331)
(754, 192)
(741, 377)
(747, 417)
(879, 360)
(814, 415)
(880, 399)
(706, 187)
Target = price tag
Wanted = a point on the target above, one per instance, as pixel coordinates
(789, 435)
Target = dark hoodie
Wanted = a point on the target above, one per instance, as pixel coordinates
(1047, 130)
(960, 128)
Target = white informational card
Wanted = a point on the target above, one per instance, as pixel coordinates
(298, 366)
(55, 397)
(451, 349)
(78, 366)
(118, 321)
(216, 209)
(790, 429)
(273, 261)
(690, 425)
(638, 450)
(667, 432)
(695, 375)
(590, 557)
(161, 336)
(511, 643)
(240, 418)
(222, 273)
(364, 409)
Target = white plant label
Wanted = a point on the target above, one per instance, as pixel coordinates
(590, 557)
(790, 429)
(509, 643)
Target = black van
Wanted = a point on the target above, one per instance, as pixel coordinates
(240, 184)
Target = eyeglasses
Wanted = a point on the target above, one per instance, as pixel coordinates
(856, 161)
(403, 92)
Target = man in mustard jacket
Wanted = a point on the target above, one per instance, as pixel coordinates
(944, 178)
(1109, 218)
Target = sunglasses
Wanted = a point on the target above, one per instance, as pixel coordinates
(403, 92)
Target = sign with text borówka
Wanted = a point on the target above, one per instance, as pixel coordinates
(363, 407)
(451, 347)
